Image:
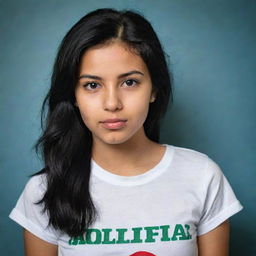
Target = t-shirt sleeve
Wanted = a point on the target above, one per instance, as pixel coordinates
(30, 215)
(220, 201)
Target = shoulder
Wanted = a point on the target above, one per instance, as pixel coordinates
(35, 187)
(30, 214)
(195, 163)
(189, 154)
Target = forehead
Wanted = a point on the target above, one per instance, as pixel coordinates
(113, 57)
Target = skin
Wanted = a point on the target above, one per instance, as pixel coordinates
(104, 92)
(35, 246)
(127, 97)
(215, 242)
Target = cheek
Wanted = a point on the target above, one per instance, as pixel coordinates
(140, 109)
(86, 113)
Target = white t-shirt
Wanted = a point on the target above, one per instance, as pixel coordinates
(160, 212)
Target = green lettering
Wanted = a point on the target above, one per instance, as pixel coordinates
(107, 235)
(165, 236)
(150, 234)
(179, 233)
(106, 239)
(76, 240)
(97, 236)
(121, 232)
(189, 236)
(136, 235)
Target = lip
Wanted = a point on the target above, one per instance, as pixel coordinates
(114, 124)
(114, 120)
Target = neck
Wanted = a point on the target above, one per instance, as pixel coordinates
(125, 155)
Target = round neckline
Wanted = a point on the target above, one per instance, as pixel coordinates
(140, 179)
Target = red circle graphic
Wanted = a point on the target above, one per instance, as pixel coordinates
(142, 254)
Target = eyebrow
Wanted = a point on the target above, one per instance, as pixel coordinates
(120, 76)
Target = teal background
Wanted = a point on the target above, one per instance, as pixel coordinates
(212, 49)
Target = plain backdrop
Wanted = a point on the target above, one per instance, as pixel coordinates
(212, 51)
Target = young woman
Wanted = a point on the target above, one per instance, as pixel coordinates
(108, 186)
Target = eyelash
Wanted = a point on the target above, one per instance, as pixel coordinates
(90, 83)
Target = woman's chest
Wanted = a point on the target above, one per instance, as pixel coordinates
(139, 222)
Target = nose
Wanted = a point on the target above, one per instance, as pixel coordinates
(112, 101)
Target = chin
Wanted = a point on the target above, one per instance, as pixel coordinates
(115, 140)
(117, 137)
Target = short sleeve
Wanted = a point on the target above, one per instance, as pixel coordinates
(30, 215)
(220, 201)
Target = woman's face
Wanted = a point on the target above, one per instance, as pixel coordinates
(113, 93)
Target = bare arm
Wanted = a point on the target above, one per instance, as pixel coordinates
(215, 242)
(35, 246)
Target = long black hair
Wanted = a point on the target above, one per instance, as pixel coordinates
(66, 142)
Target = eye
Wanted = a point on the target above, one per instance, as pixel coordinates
(91, 86)
(131, 82)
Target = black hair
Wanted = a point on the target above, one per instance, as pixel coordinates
(66, 142)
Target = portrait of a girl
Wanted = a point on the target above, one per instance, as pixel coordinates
(108, 186)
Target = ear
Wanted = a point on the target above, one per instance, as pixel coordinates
(153, 97)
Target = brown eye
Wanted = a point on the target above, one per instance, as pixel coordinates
(131, 82)
(91, 86)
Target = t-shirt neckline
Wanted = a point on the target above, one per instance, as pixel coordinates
(140, 179)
